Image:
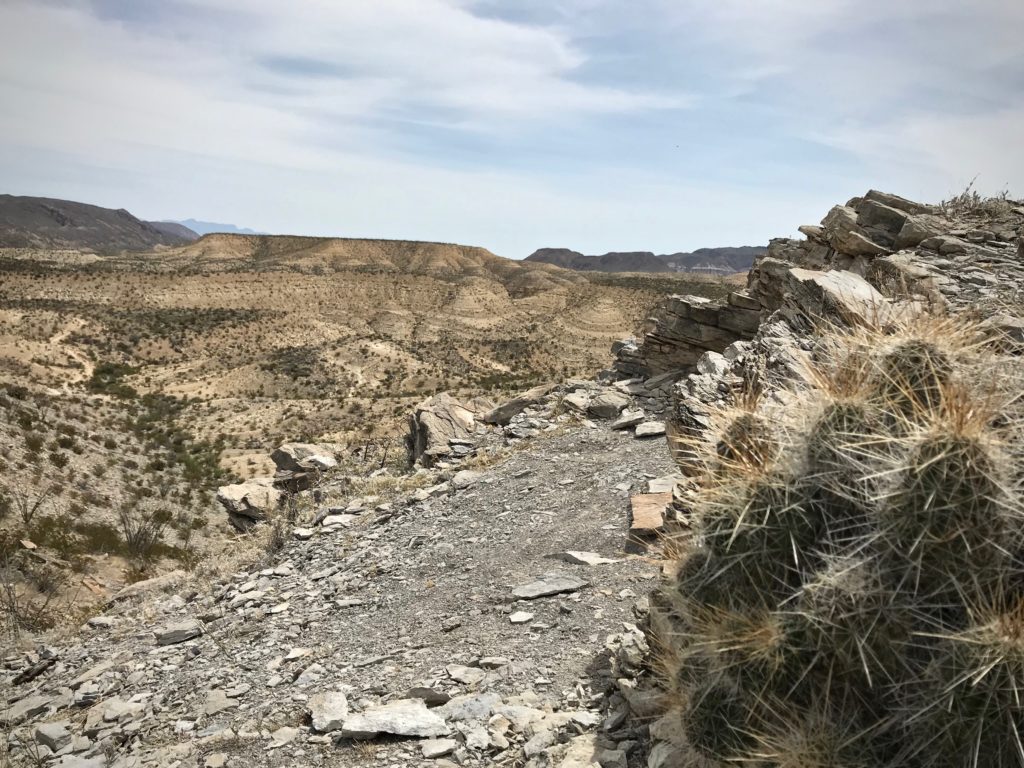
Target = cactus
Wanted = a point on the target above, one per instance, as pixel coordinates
(747, 439)
(968, 709)
(911, 376)
(717, 719)
(852, 592)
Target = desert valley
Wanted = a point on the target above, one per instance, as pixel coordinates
(482, 384)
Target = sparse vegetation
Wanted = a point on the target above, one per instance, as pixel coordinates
(971, 202)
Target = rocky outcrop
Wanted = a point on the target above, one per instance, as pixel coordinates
(715, 261)
(683, 329)
(250, 502)
(873, 246)
(504, 413)
(303, 457)
(440, 424)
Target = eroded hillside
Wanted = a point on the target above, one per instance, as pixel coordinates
(137, 383)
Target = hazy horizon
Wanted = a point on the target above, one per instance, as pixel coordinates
(584, 124)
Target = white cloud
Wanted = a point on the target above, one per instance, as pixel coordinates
(434, 119)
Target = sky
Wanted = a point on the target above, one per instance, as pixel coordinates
(661, 125)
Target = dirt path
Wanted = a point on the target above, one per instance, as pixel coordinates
(414, 596)
(58, 341)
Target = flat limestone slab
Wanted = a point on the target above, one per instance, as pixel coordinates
(584, 558)
(650, 429)
(549, 584)
(649, 512)
(405, 717)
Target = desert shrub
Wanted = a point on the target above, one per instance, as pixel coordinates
(853, 590)
(107, 378)
(142, 529)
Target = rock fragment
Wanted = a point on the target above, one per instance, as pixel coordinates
(549, 584)
(650, 429)
(328, 710)
(404, 717)
(179, 632)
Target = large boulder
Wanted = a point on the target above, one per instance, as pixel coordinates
(435, 423)
(302, 457)
(844, 233)
(250, 502)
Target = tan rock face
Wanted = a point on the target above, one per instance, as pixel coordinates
(435, 423)
(249, 502)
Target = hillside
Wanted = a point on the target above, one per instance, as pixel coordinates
(637, 261)
(156, 372)
(715, 260)
(845, 505)
(42, 222)
(718, 261)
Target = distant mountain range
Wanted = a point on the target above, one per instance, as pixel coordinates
(43, 222)
(719, 261)
(209, 227)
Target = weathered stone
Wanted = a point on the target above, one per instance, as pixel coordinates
(494, 662)
(327, 710)
(648, 512)
(283, 736)
(739, 320)
(465, 478)
(430, 696)
(218, 701)
(584, 558)
(54, 735)
(474, 706)
(744, 300)
(577, 401)
(505, 412)
(465, 675)
(179, 632)
(404, 717)
(650, 429)
(249, 502)
(663, 484)
(629, 418)
(883, 220)
(845, 234)
(435, 422)
(915, 231)
(74, 761)
(836, 296)
(580, 752)
(297, 457)
(549, 584)
(897, 202)
(433, 748)
(608, 405)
